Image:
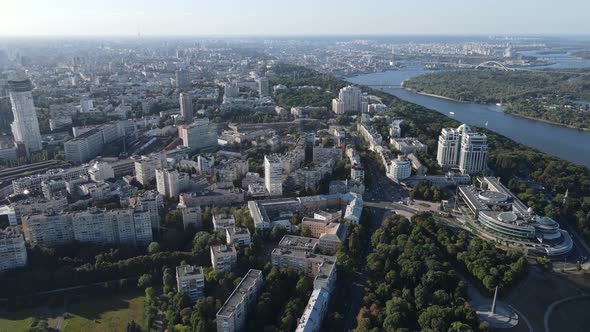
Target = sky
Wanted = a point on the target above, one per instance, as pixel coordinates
(292, 17)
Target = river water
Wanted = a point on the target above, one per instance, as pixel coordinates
(566, 143)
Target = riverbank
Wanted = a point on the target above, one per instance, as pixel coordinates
(557, 140)
(547, 121)
(507, 112)
(431, 94)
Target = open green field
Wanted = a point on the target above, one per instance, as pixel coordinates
(92, 313)
(19, 321)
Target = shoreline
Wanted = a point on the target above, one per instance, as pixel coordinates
(432, 95)
(548, 121)
(504, 110)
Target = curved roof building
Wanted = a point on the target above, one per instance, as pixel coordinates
(504, 216)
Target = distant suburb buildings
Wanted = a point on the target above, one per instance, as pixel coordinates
(462, 148)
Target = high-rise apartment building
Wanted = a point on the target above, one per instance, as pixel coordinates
(350, 100)
(263, 87)
(89, 144)
(474, 153)
(186, 106)
(13, 253)
(25, 127)
(201, 134)
(231, 90)
(145, 168)
(462, 148)
(150, 201)
(273, 175)
(170, 182)
(114, 227)
(190, 280)
(183, 78)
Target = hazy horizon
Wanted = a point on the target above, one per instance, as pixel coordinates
(303, 18)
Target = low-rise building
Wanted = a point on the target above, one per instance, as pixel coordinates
(190, 280)
(191, 216)
(321, 267)
(400, 169)
(217, 197)
(237, 235)
(223, 258)
(292, 242)
(408, 145)
(223, 221)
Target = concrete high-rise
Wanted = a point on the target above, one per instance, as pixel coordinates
(13, 253)
(462, 148)
(263, 87)
(25, 127)
(201, 134)
(170, 182)
(232, 316)
(183, 78)
(186, 106)
(273, 175)
(231, 90)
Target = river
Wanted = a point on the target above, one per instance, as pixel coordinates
(566, 143)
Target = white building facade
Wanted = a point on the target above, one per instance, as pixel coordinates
(25, 127)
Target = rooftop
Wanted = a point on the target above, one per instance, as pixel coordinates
(298, 242)
(237, 296)
(223, 250)
(189, 270)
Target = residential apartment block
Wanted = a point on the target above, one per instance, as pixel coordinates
(223, 258)
(231, 317)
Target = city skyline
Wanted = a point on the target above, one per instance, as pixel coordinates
(264, 18)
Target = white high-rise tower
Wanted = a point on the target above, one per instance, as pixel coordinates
(273, 175)
(25, 127)
(462, 148)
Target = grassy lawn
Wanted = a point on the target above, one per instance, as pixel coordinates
(110, 313)
(92, 312)
(15, 321)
